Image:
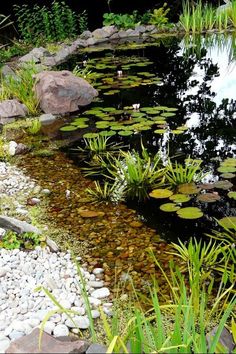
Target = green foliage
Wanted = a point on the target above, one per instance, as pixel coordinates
(121, 21)
(34, 127)
(27, 240)
(83, 21)
(105, 192)
(37, 24)
(5, 21)
(146, 331)
(137, 173)
(178, 174)
(86, 74)
(159, 16)
(16, 49)
(21, 87)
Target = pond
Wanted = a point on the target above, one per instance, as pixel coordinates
(185, 88)
(191, 82)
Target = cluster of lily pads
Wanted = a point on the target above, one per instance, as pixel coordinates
(126, 121)
(204, 193)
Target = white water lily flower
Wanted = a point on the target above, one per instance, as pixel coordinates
(136, 106)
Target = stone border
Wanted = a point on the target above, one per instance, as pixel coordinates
(88, 39)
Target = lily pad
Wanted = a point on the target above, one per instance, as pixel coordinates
(232, 195)
(167, 114)
(125, 132)
(190, 213)
(229, 222)
(90, 135)
(228, 175)
(180, 198)
(69, 128)
(169, 207)
(226, 169)
(206, 186)
(160, 131)
(160, 193)
(188, 188)
(107, 133)
(225, 185)
(177, 132)
(208, 197)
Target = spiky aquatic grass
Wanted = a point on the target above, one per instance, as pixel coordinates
(21, 87)
(138, 173)
(179, 174)
(105, 192)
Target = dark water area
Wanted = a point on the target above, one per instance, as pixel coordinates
(200, 81)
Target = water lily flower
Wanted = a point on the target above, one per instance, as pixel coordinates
(119, 72)
(67, 193)
(136, 106)
(84, 62)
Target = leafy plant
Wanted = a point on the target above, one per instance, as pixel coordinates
(121, 21)
(178, 174)
(37, 24)
(21, 86)
(83, 21)
(27, 240)
(159, 16)
(34, 127)
(105, 192)
(138, 173)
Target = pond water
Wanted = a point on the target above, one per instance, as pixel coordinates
(194, 81)
(196, 76)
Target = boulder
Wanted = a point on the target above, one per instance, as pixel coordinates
(49, 344)
(46, 119)
(12, 108)
(104, 32)
(16, 225)
(34, 55)
(6, 70)
(62, 92)
(86, 35)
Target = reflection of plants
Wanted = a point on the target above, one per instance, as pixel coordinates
(21, 86)
(178, 174)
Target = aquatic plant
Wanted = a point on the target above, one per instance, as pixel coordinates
(159, 16)
(138, 173)
(105, 192)
(21, 86)
(177, 173)
(5, 21)
(99, 146)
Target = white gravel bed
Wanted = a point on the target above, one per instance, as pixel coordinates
(22, 309)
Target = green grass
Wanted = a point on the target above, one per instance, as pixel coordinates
(179, 174)
(21, 87)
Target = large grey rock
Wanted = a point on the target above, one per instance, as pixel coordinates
(86, 35)
(34, 55)
(61, 92)
(12, 108)
(6, 70)
(104, 32)
(17, 226)
(49, 344)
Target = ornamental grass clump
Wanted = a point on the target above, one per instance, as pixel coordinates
(20, 86)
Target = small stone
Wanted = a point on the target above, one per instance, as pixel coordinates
(98, 271)
(61, 330)
(100, 293)
(95, 314)
(52, 245)
(4, 344)
(96, 284)
(96, 349)
(15, 335)
(49, 327)
(94, 302)
(45, 191)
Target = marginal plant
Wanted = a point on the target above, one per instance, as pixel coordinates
(180, 174)
(159, 16)
(35, 126)
(5, 21)
(20, 86)
(106, 192)
(138, 173)
(27, 240)
(98, 146)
